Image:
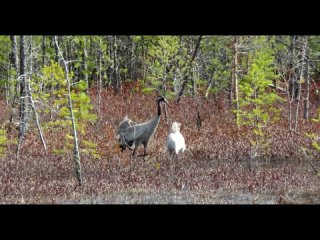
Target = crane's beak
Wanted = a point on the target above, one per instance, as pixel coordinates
(166, 102)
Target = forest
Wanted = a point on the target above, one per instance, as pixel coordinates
(159, 119)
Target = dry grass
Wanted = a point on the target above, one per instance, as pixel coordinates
(213, 170)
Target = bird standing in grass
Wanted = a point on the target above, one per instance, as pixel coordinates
(175, 141)
(133, 136)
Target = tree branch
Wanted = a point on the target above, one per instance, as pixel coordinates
(186, 76)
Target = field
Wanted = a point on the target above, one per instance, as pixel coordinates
(216, 168)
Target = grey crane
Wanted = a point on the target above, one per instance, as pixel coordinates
(134, 135)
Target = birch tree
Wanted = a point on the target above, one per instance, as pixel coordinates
(304, 44)
(235, 88)
(22, 99)
(76, 153)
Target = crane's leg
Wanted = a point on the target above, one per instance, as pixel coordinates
(144, 153)
(134, 152)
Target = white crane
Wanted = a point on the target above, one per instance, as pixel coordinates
(175, 141)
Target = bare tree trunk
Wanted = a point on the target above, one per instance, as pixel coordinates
(187, 74)
(100, 77)
(30, 64)
(108, 72)
(28, 90)
(303, 58)
(116, 75)
(290, 110)
(54, 44)
(209, 86)
(235, 77)
(36, 115)
(85, 65)
(256, 107)
(278, 58)
(293, 66)
(14, 53)
(7, 87)
(127, 55)
(143, 59)
(194, 86)
(43, 46)
(231, 97)
(14, 86)
(35, 112)
(76, 155)
(291, 99)
(292, 78)
(132, 74)
(306, 100)
(22, 124)
(67, 53)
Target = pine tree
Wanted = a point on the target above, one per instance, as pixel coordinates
(256, 100)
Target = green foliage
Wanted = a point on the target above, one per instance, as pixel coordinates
(53, 81)
(81, 107)
(81, 111)
(314, 52)
(3, 142)
(59, 151)
(5, 70)
(90, 149)
(148, 90)
(216, 58)
(48, 86)
(317, 119)
(161, 61)
(255, 97)
(315, 139)
(5, 48)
